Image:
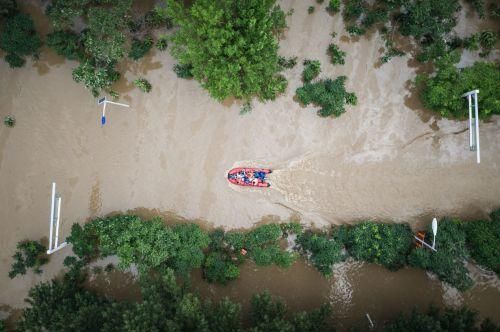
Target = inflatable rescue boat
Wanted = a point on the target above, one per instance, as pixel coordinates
(249, 177)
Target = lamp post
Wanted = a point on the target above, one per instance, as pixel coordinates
(434, 231)
(105, 101)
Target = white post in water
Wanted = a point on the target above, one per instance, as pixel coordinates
(105, 101)
(55, 216)
(473, 124)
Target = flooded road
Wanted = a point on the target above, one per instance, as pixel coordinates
(385, 158)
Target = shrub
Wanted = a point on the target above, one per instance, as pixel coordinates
(220, 41)
(143, 84)
(18, 39)
(353, 9)
(374, 16)
(487, 40)
(219, 268)
(483, 242)
(9, 121)
(333, 6)
(385, 244)
(162, 43)
(312, 68)
(29, 254)
(324, 250)
(310, 9)
(157, 18)
(287, 63)
(96, 78)
(328, 94)
(442, 92)
(66, 44)
(354, 30)
(450, 319)
(448, 262)
(337, 56)
(140, 48)
(183, 71)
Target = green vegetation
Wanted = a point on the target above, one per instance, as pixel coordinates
(287, 63)
(230, 46)
(328, 94)
(443, 91)
(310, 9)
(9, 121)
(333, 6)
(110, 28)
(483, 241)
(448, 262)
(324, 250)
(337, 56)
(162, 43)
(312, 68)
(143, 84)
(183, 71)
(19, 39)
(29, 254)
(385, 244)
(7, 8)
(140, 48)
(462, 319)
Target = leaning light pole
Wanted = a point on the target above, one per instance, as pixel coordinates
(104, 101)
(434, 231)
(55, 216)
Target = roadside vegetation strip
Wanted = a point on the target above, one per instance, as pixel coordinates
(154, 246)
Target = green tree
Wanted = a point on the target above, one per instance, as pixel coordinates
(328, 94)
(483, 242)
(333, 6)
(96, 78)
(337, 56)
(140, 48)
(223, 317)
(385, 244)
(312, 68)
(7, 8)
(18, 39)
(84, 241)
(29, 254)
(231, 46)
(443, 91)
(66, 44)
(324, 250)
(188, 252)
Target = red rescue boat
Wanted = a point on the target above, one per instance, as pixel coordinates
(249, 177)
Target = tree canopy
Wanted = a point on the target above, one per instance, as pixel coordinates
(231, 46)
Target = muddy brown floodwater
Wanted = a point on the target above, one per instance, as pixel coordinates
(384, 159)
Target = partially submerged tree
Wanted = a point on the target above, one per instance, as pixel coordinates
(231, 46)
(19, 39)
(29, 254)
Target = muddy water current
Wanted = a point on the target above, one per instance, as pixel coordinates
(384, 159)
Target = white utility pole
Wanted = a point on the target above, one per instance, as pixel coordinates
(473, 124)
(55, 216)
(105, 101)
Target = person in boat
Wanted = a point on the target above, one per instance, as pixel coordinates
(260, 175)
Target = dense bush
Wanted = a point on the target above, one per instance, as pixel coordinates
(483, 242)
(66, 44)
(443, 91)
(328, 94)
(143, 84)
(385, 244)
(263, 245)
(9, 121)
(162, 43)
(183, 71)
(448, 261)
(140, 48)
(462, 319)
(29, 254)
(337, 56)
(324, 251)
(312, 68)
(18, 39)
(96, 78)
(231, 45)
(333, 6)
(219, 268)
